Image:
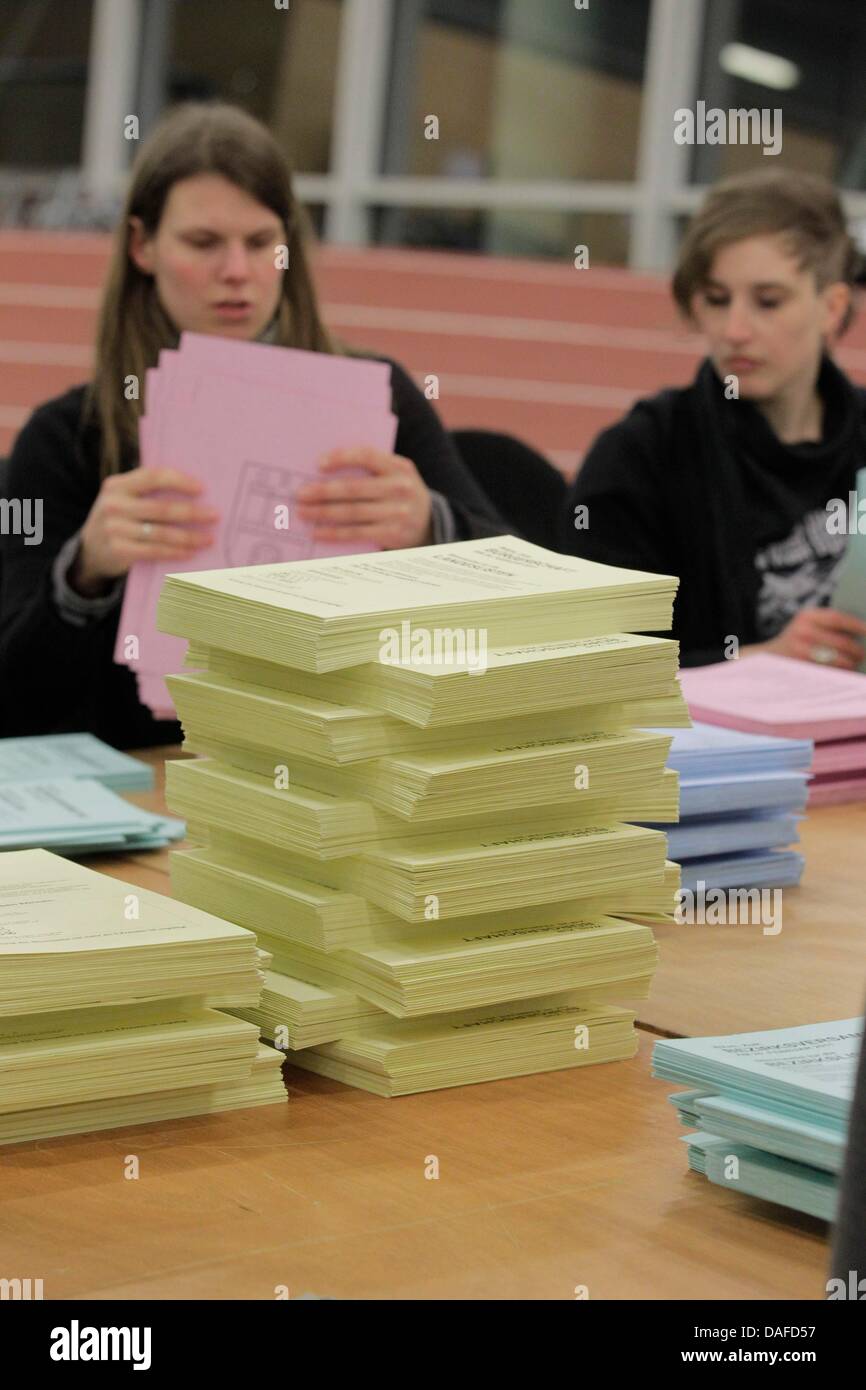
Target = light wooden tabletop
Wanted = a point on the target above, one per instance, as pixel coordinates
(547, 1184)
(736, 979)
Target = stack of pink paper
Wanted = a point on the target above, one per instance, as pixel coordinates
(791, 699)
(251, 422)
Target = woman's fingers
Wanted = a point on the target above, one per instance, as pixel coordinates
(374, 460)
(363, 525)
(180, 540)
(831, 619)
(354, 513)
(846, 652)
(824, 629)
(383, 537)
(368, 489)
(141, 480)
(389, 507)
(160, 509)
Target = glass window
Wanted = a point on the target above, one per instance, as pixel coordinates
(278, 64)
(507, 232)
(43, 74)
(516, 90)
(804, 59)
(520, 89)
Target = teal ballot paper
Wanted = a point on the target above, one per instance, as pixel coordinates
(850, 595)
(770, 1108)
(75, 815)
(46, 757)
(758, 1174)
(818, 1145)
(807, 1072)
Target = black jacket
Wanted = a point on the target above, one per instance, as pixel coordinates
(56, 677)
(694, 484)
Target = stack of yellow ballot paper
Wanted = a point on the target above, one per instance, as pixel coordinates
(111, 1004)
(448, 967)
(321, 615)
(260, 1084)
(293, 1013)
(236, 880)
(394, 1058)
(419, 779)
(594, 672)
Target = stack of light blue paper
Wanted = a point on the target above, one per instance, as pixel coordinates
(58, 793)
(741, 797)
(51, 756)
(770, 1109)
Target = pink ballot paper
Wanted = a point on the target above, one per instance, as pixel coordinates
(792, 699)
(251, 422)
(778, 695)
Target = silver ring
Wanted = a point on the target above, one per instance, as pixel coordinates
(825, 656)
(146, 530)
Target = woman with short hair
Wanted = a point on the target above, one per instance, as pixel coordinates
(729, 482)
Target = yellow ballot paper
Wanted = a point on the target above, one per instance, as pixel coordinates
(393, 1057)
(516, 680)
(294, 1013)
(474, 781)
(619, 793)
(93, 1054)
(318, 823)
(70, 937)
(426, 779)
(224, 710)
(260, 895)
(446, 967)
(263, 1086)
(580, 770)
(458, 599)
(478, 871)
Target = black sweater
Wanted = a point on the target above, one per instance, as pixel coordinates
(693, 484)
(56, 677)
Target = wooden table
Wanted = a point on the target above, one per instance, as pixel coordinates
(734, 979)
(546, 1182)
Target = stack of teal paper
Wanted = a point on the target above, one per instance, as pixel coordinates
(804, 1141)
(741, 797)
(761, 1174)
(75, 815)
(770, 1108)
(59, 792)
(46, 758)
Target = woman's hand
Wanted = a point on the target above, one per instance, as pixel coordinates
(823, 635)
(128, 523)
(391, 507)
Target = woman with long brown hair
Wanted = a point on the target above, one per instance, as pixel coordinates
(728, 482)
(210, 199)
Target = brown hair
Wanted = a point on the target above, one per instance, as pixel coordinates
(805, 208)
(195, 138)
